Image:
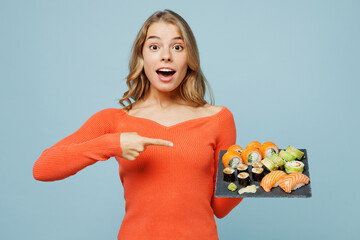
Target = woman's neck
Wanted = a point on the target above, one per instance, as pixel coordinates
(162, 100)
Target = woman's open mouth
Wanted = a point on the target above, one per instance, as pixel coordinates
(165, 74)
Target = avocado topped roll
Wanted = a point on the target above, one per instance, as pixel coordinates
(286, 156)
(295, 152)
(294, 167)
(269, 164)
(278, 161)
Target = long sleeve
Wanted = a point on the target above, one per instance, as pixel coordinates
(93, 141)
(226, 138)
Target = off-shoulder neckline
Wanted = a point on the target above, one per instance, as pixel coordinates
(176, 124)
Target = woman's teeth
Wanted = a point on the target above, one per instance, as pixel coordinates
(165, 72)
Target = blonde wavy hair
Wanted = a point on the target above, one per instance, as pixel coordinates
(192, 89)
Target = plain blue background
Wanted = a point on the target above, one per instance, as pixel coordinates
(288, 70)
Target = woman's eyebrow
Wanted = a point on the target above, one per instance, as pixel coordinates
(156, 37)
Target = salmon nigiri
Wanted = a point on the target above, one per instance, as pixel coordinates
(293, 181)
(272, 180)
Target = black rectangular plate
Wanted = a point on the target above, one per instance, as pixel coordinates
(221, 188)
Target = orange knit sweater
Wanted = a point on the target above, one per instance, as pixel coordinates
(169, 191)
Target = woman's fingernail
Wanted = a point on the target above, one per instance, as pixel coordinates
(171, 144)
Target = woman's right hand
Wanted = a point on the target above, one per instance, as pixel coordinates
(132, 144)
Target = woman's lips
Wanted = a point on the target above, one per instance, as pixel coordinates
(165, 74)
(164, 78)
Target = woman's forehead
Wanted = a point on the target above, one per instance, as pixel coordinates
(162, 31)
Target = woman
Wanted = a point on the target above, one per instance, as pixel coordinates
(166, 143)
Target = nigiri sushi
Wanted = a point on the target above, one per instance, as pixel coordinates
(267, 149)
(231, 159)
(272, 180)
(293, 181)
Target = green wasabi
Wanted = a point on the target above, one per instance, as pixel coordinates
(232, 187)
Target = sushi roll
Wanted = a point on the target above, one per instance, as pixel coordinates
(255, 144)
(295, 152)
(235, 148)
(243, 179)
(272, 180)
(294, 166)
(231, 159)
(229, 174)
(250, 155)
(257, 165)
(293, 181)
(278, 161)
(286, 156)
(242, 168)
(270, 165)
(267, 149)
(257, 174)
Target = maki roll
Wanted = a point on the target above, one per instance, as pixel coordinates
(229, 174)
(294, 167)
(242, 168)
(250, 155)
(268, 149)
(231, 159)
(255, 144)
(269, 164)
(286, 156)
(257, 165)
(257, 173)
(235, 148)
(295, 152)
(277, 160)
(243, 179)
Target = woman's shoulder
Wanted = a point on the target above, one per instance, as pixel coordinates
(108, 113)
(213, 110)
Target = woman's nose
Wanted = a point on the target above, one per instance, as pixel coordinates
(166, 56)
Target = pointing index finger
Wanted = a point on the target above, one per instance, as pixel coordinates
(157, 141)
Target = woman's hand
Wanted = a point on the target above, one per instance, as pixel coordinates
(132, 144)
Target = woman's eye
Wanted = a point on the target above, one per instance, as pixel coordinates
(178, 47)
(154, 47)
